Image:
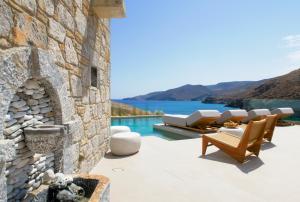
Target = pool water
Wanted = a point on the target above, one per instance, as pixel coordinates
(144, 126)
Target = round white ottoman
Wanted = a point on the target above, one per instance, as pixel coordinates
(119, 129)
(126, 143)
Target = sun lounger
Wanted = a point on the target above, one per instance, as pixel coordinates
(202, 118)
(256, 114)
(232, 115)
(238, 148)
(283, 113)
(176, 120)
(198, 121)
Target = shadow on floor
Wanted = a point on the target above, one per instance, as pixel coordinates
(267, 145)
(111, 156)
(252, 163)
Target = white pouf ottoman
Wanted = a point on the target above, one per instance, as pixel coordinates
(125, 143)
(119, 129)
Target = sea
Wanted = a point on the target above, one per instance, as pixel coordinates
(174, 107)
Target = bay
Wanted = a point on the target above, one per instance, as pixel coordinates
(174, 107)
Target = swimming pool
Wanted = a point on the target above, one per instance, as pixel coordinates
(144, 126)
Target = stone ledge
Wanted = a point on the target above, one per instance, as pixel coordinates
(109, 9)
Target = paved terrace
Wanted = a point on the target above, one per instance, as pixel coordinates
(171, 171)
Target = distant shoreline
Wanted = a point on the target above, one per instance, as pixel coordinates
(136, 116)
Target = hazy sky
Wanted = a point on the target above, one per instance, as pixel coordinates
(164, 44)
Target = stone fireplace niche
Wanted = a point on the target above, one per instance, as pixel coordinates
(33, 92)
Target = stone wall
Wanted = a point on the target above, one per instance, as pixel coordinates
(75, 40)
(30, 106)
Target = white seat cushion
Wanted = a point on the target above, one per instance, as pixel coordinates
(202, 116)
(283, 112)
(178, 120)
(125, 143)
(255, 113)
(119, 129)
(234, 115)
(238, 132)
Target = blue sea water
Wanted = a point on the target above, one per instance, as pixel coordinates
(174, 107)
(144, 126)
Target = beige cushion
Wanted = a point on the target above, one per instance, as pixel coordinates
(125, 143)
(226, 138)
(238, 132)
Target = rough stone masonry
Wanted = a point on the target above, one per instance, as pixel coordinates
(47, 50)
(30, 106)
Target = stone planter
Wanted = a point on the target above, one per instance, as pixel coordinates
(44, 139)
(97, 189)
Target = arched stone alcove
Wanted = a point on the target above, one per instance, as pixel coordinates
(21, 64)
(18, 67)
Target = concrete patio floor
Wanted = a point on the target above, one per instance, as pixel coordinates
(174, 171)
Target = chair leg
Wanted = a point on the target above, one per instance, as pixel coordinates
(255, 149)
(269, 136)
(240, 159)
(204, 145)
(269, 139)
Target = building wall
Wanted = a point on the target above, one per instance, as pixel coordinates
(77, 40)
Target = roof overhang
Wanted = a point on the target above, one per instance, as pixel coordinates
(109, 8)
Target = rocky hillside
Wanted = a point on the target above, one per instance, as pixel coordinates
(234, 87)
(120, 109)
(186, 92)
(199, 92)
(234, 93)
(282, 87)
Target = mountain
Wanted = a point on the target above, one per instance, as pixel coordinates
(144, 97)
(282, 87)
(232, 93)
(186, 92)
(227, 88)
(197, 92)
(120, 109)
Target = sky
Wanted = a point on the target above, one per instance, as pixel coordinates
(170, 43)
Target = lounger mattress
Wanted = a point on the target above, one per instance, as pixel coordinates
(178, 120)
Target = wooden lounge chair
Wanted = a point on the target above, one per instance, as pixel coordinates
(270, 126)
(238, 148)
